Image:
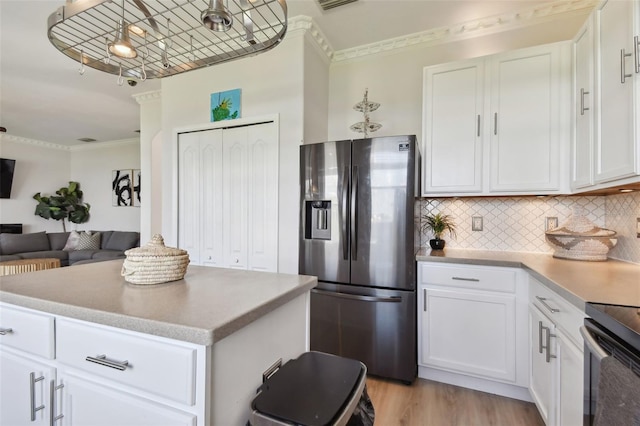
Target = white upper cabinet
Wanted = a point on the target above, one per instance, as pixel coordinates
(498, 124)
(453, 110)
(617, 146)
(583, 107)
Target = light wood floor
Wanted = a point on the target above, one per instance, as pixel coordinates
(436, 404)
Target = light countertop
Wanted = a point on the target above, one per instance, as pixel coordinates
(611, 281)
(204, 307)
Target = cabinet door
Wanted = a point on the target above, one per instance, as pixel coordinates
(453, 126)
(235, 213)
(262, 197)
(487, 322)
(84, 402)
(583, 111)
(17, 385)
(210, 214)
(616, 147)
(189, 195)
(527, 119)
(571, 382)
(542, 380)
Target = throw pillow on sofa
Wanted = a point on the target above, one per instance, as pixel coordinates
(72, 241)
(89, 241)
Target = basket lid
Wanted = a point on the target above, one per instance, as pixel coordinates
(155, 248)
(579, 225)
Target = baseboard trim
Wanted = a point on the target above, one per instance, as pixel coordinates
(475, 383)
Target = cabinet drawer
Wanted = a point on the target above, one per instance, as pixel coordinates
(159, 366)
(468, 276)
(563, 314)
(31, 331)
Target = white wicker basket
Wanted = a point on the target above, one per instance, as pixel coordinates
(581, 239)
(154, 263)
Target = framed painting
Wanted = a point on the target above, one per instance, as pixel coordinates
(121, 188)
(225, 105)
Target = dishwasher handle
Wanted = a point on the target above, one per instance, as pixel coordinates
(592, 344)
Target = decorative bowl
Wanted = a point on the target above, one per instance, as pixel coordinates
(581, 239)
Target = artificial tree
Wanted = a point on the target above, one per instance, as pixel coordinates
(66, 204)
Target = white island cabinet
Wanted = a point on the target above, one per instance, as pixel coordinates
(106, 352)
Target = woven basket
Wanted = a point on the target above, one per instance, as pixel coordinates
(154, 263)
(581, 239)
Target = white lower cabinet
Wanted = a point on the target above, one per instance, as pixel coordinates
(556, 373)
(472, 320)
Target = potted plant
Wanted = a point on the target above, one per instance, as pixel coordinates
(67, 204)
(437, 224)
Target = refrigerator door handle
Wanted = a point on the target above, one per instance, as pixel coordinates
(343, 219)
(392, 299)
(354, 214)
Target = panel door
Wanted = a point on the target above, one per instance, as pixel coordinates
(571, 383)
(469, 332)
(525, 122)
(16, 385)
(453, 125)
(615, 151)
(189, 195)
(210, 215)
(542, 377)
(234, 194)
(85, 402)
(262, 197)
(583, 108)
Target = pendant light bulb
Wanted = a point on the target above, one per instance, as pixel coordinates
(216, 17)
(121, 45)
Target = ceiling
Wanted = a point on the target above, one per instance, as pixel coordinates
(44, 98)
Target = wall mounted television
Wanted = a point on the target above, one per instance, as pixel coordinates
(7, 167)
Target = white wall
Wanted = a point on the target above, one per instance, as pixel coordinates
(271, 83)
(394, 79)
(40, 167)
(92, 166)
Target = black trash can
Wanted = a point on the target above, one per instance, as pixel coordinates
(315, 389)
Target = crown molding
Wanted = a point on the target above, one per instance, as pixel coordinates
(314, 33)
(484, 26)
(145, 97)
(34, 142)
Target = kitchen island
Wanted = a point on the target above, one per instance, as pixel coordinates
(187, 352)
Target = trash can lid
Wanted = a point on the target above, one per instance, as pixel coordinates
(309, 390)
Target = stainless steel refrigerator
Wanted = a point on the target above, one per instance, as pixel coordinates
(357, 236)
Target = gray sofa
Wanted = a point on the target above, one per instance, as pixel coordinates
(40, 245)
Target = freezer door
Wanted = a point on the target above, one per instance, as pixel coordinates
(324, 210)
(374, 326)
(382, 212)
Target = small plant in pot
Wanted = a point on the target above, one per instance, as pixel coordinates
(437, 224)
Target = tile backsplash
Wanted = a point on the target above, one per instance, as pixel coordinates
(518, 223)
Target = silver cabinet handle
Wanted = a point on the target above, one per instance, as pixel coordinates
(424, 299)
(636, 46)
(543, 300)
(478, 126)
(102, 360)
(53, 418)
(5, 331)
(476, 280)
(548, 344)
(582, 107)
(495, 123)
(32, 395)
(540, 327)
(623, 75)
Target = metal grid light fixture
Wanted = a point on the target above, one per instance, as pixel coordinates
(140, 39)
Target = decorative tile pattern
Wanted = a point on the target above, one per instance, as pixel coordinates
(621, 212)
(518, 223)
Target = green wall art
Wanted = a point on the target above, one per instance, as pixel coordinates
(225, 105)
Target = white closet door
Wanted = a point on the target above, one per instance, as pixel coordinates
(235, 216)
(262, 197)
(211, 220)
(189, 195)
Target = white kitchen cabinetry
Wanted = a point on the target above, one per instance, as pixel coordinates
(556, 375)
(499, 124)
(26, 369)
(471, 328)
(582, 146)
(228, 196)
(617, 152)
